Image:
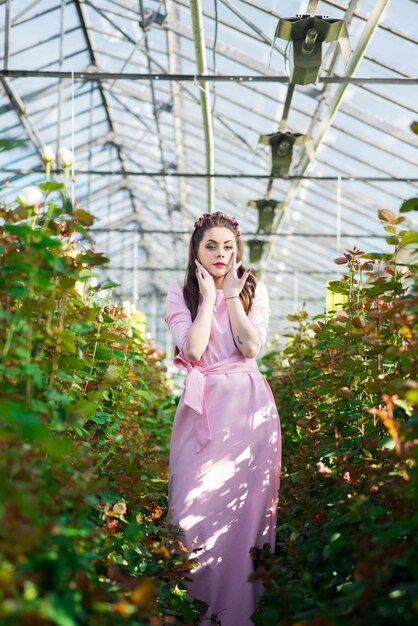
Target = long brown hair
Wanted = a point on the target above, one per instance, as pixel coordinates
(191, 285)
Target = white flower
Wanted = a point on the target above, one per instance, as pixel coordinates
(30, 196)
(126, 307)
(285, 363)
(48, 154)
(66, 157)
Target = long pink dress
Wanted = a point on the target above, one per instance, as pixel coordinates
(225, 458)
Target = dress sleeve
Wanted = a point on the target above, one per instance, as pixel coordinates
(178, 316)
(259, 314)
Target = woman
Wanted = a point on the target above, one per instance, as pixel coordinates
(225, 449)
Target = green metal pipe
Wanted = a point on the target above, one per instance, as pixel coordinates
(199, 44)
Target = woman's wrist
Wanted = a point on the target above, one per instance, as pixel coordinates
(209, 298)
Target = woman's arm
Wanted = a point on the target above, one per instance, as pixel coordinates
(245, 334)
(197, 337)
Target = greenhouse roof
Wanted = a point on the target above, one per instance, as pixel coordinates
(122, 82)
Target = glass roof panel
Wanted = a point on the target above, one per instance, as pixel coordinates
(141, 156)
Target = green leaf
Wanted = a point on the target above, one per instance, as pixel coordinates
(411, 236)
(409, 205)
(91, 258)
(414, 127)
(107, 284)
(379, 255)
(393, 240)
(82, 408)
(10, 144)
(83, 217)
(85, 274)
(337, 287)
(21, 229)
(80, 229)
(49, 186)
(82, 327)
(67, 206)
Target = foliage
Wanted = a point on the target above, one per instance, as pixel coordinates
(84, 429)
(347, 392)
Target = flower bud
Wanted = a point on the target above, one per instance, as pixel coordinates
(48, 154)
(30, 196)
(119, 508)
(66, 157)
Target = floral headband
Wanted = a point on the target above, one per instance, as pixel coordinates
(213, 217)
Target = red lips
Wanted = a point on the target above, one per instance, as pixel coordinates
(220, 264)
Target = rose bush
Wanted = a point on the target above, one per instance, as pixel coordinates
(85, 417)
(347, 535)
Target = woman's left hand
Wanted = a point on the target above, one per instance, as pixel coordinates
(232, 285)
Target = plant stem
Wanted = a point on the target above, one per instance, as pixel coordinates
(29, 346)
(60, 327)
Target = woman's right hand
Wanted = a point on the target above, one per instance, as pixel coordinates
(206, 282)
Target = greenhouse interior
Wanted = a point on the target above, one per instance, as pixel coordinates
(235, 445)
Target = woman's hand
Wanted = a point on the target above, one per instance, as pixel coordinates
(206, 282)
(232, 285)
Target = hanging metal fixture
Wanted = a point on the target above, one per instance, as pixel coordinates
(152, 17)
(282, 150)
(306, 34)
(256, 247)
(266, 210)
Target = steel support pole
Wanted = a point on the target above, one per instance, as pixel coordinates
(174, 48)
(200, 48)
(154, 316)
(8, 23)
(90, 140)
(135, 284)
(60, 88)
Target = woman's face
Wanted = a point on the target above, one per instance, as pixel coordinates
(215, 251)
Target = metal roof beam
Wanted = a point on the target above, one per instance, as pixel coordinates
(253, 26)
(348, 177)
(23, 115)
(310, 235)
(84, 22)
(93, 75)
(173, 43)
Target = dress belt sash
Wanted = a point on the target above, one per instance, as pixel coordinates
(195, 390)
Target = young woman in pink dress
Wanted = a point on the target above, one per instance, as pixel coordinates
(225, 449)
